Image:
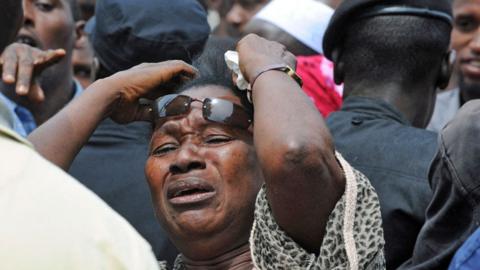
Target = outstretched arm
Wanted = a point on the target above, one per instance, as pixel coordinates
(303, 178)
(60, 138)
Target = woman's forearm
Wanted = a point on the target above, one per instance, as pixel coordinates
(303, 179)
(60, 138)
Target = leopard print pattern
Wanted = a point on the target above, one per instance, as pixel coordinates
(272, 248)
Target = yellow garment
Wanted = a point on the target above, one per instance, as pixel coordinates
(50, 221)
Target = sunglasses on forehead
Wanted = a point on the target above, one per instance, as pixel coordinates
(213, 109)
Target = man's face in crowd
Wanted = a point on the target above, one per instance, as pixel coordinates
(242, 11)
(49, 24)
(466, 42)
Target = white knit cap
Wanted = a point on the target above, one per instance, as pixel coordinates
(306, 20)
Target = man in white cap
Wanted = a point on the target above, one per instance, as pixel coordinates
(300, 26)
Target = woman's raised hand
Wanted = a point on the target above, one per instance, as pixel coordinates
(148, 80)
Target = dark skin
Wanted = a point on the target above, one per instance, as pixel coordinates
(82, 59)
(466, 42)
(47, 25)
(242, 11)
(416, 104)
(116, 96)
(272, 32)
(293, 156)
(189, 150)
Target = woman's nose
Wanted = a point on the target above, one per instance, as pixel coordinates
(188, 159)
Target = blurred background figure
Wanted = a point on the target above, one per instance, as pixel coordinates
(112, 162)
(229, 17)
(466, 79)
(391, 65)
(83, 60)
(83, 53)
(217, 13)
(87, 9)
(300, 26)
(49, 25)
(240, 13)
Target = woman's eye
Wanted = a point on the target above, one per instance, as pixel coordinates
(164, 149)
(44, 6)
(217, 139)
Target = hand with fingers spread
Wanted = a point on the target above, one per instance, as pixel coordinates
(118, 96)
(150, 81)
(21, 64)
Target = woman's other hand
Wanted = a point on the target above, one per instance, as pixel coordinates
(118, 96)
(149, 80)
(256, 53)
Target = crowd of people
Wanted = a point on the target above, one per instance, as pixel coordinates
(240, 134)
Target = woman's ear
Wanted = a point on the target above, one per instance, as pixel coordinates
(338, 67)
(446, 69)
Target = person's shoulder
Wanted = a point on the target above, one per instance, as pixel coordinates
(7, 121)
(64, 212)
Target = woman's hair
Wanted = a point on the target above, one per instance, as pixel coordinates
(214, 71)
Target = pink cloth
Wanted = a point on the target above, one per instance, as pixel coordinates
(317, 75)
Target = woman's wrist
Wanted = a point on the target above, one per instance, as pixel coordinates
(104, 93)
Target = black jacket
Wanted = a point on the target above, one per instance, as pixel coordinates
(112, 165)
(453, 215)
(378, 141)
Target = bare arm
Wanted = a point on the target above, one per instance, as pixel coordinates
(61, 138)
(303, 179)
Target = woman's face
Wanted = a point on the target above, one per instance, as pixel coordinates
(203, 176)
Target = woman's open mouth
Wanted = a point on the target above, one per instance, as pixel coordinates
(189, 191)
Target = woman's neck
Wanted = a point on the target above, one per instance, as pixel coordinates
(237, 259)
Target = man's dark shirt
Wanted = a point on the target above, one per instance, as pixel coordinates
(378, 141)
(112, 165)
(454, 213)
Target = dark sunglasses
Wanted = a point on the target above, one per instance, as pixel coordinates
(213, 109)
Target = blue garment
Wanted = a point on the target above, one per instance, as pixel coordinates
(23, 120)
(468, 256)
